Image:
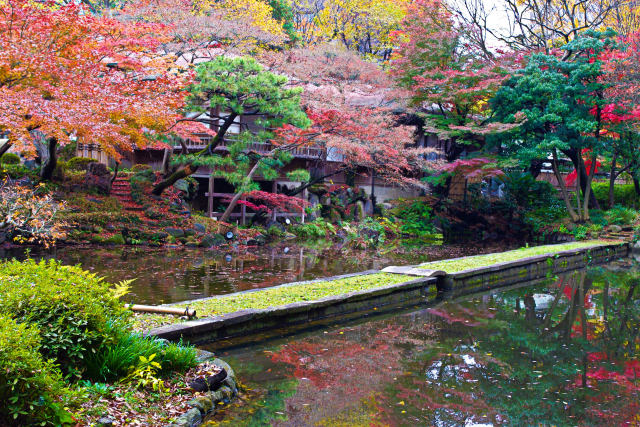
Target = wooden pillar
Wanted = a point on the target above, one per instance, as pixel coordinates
(304, 198)
(243, 210)
(274, 190)
(210, 196)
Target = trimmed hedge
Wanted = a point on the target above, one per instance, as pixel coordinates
(27, 381)
(10, 159)
(624, 194)
(79, 163)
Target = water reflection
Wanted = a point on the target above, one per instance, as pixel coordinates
(561, 353)
(166, 275)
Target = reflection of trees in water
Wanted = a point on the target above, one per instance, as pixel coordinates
(172, 275)
(564, 353)
(559, 363)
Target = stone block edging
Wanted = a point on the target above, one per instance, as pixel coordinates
(207, 403)
(251, 321)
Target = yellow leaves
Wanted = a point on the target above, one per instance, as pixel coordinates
(354, 20)
(255, 11)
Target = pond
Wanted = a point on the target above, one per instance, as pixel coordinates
(561, 353)
(173, 275)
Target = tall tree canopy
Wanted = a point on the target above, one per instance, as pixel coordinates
(560, 103)
(66, 73)
(351, 104)
(225, 90)
(446, 78)
(363, 26)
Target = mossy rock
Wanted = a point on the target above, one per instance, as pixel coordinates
(116, 239)
(210, 240)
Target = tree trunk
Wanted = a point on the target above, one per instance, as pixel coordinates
(301, 188)
(636, 185)
(49, 164)
(234, 201)
(563, 189)
(576, 159)
(612, 180)
(535, 167)
(189, 168)
(115, 176)
(588, 193)
(186, 171)
(5, 148)
(165, 161)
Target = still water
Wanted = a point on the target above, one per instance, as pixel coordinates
(166, 276)
(561, 353)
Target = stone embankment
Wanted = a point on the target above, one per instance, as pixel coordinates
(258, 311)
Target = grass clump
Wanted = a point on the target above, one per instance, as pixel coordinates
(273, 297)
(456, 265)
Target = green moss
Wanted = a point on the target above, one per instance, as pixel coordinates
(115, 239)
(456, 265)
(296, 293)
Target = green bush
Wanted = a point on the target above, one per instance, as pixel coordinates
(316, 229)
(20, 171)
(10, 159)
(416, 217)
(624, 194)
(79, 163)
(524, 191)
(71, 307)
(27, 381)
(621, 215)
(140, 167)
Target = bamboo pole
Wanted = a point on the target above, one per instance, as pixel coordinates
(176, 311)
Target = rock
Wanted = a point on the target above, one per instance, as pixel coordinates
(387, 206)
(203, 403)
(615, 228)
(199, 385)
(314, 200)
(30, 164)
(368, 207)
(3, 237)
(105, 421)
(191, 418)
(181, 185)
(215, 381)
(216, 396)
(97, 178)
(359, 213)
(210, 240)
(231, 383)
(275, 224)
(212, 383)
(225, 366)
(190, 232)
(175, 232)
(199, 228)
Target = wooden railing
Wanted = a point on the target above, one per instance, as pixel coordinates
(258, 147)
